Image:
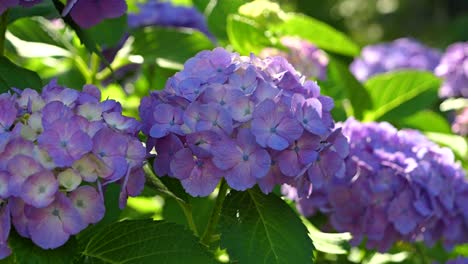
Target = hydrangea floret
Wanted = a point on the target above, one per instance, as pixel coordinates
(5, 4)
(166, 14)
(85, 13)
(403, 53)
(460, 124)
(305, 57)
(245, 119)
(398, 186)
(58, 151)
(453, 68)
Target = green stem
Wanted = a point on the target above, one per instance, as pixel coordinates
(95, 61)
(187, 208)
(3, 27)
(158, 185)
(215, 214)
(419, 251)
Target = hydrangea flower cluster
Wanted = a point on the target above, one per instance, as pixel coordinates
(249, 120)
(5, 4)
(403, 53)
(459, 260)
(460, 124)
(87, 13)
(58, 150)
(453, 68)
(398, 186)
(303, 55)
(165, 14)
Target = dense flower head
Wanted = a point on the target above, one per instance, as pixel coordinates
(458, 260)
(87, 13)
(398, 185)
(58, 150)
(166, 14)
(5, 4)
(460, 124)
(453, 68)
(303, 55)
(249, 120)
(403, 53)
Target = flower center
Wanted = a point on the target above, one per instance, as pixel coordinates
(56, 212)
(245, 157)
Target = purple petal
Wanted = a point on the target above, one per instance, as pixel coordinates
(277, 142)
(20, 168)
(202, 181)
(18, 217)
(39, 189)
(289, 163)
(240, 177)
(4, 185)
(87, 13)
(226, 155)
(89, 204)
(182, 164)
(166, 148)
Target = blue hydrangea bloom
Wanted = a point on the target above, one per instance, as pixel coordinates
(393, 186)
(403, 53)
(5, 4)
(303, 55)
(58, 150)
(460, 124)
(453, 68)
(166, 14)
(87, 13)
(249, 120)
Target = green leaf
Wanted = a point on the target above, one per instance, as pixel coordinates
(332, 243)
(317, 32)
(25, 251)
(420, 121)
(218, 15)
(36, 30)
(108, 32)
(85, 37)
(400, 93)
(341, 84)
(12, 75)
(201, 207)
(245, 35)
(259, 228)
(44, 9)
(169, 44)
(146, 241)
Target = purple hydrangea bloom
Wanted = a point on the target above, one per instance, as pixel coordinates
(58, 149)
(87, 13)
(5, 4)
(393, 186)
(460, 124)
(303, 55)
(453, 68)
(166, 14)
(459, 260)
(51, 227)
(5, 226)
(403, 53)
(245, 119)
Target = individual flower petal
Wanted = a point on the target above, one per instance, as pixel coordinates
(89, 204)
